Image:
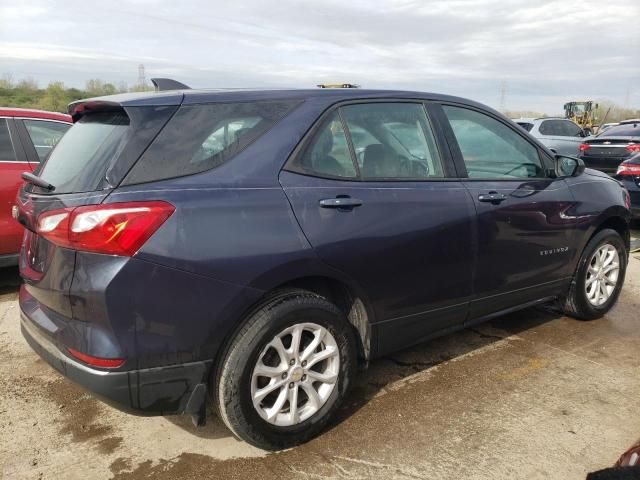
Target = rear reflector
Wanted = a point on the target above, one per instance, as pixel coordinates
(96, 361)
(113, 229)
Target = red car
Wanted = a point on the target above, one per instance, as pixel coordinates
(26, 138)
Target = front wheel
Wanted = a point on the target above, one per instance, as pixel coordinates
(286, 371)
(599, 277)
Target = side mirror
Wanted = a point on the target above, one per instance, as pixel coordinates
(568, 166)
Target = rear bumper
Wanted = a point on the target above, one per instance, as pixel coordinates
(608, 165)
(174, 389)
(9, 260)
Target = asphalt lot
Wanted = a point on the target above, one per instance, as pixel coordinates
(529, 395)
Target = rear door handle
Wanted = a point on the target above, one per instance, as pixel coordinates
(492, 197)
(340, 202)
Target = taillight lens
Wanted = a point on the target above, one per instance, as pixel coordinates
(633, 148)
(96, 361)
(114, 229)
(583, 147)
(631, 169)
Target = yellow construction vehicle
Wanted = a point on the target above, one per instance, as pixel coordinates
(338, 85)
(582, 113)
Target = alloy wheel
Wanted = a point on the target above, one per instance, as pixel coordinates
(602, 274)
(295, 374)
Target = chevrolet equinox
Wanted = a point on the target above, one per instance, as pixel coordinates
(248, 250)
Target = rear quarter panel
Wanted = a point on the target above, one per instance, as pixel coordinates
(191, 285)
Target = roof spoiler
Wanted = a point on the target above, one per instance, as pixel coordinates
(163, 84)
(82, 107)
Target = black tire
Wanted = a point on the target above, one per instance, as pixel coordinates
(232, 390)
(575, 303)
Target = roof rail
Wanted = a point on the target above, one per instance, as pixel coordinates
(163, 84)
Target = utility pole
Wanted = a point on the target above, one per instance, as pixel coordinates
(503, 96)
(142, 80)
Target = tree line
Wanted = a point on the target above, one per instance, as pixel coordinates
(55, 97)
(26, 93)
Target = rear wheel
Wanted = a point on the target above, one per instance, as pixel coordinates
(598, 278)
(286, 371)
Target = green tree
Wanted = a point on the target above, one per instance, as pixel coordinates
(28, 84)
(55, 98)
(6, 81)
(98, 88)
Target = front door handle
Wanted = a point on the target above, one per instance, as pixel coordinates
(492, 197)
(340, 202)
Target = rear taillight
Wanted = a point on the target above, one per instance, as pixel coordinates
(633, 148)
(96, 361)
(115, 229)
(583, 147)
(631, 169)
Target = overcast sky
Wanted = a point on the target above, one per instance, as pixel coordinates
(545, 52)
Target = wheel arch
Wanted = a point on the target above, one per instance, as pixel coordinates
(618, 223)
(615, 220)
(346, 297)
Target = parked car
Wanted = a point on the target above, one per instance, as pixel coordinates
(629, 174)
(609, 149)
(559, 134)
(245, 247)
(26, 137)
(604, 126)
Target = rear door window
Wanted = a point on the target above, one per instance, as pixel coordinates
(328, 153)
(560, 128)
(201, 137)
(6, 148)
(45, 135)
(393, 141)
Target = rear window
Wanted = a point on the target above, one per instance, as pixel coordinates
(101, 147)
(87, 145)
(201, 137)
(527, 126)
(630, 130)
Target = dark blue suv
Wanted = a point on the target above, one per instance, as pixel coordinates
(247, 250)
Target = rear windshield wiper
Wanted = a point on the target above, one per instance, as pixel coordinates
(37, 181)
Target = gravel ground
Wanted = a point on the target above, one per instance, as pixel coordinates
(530, 395)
